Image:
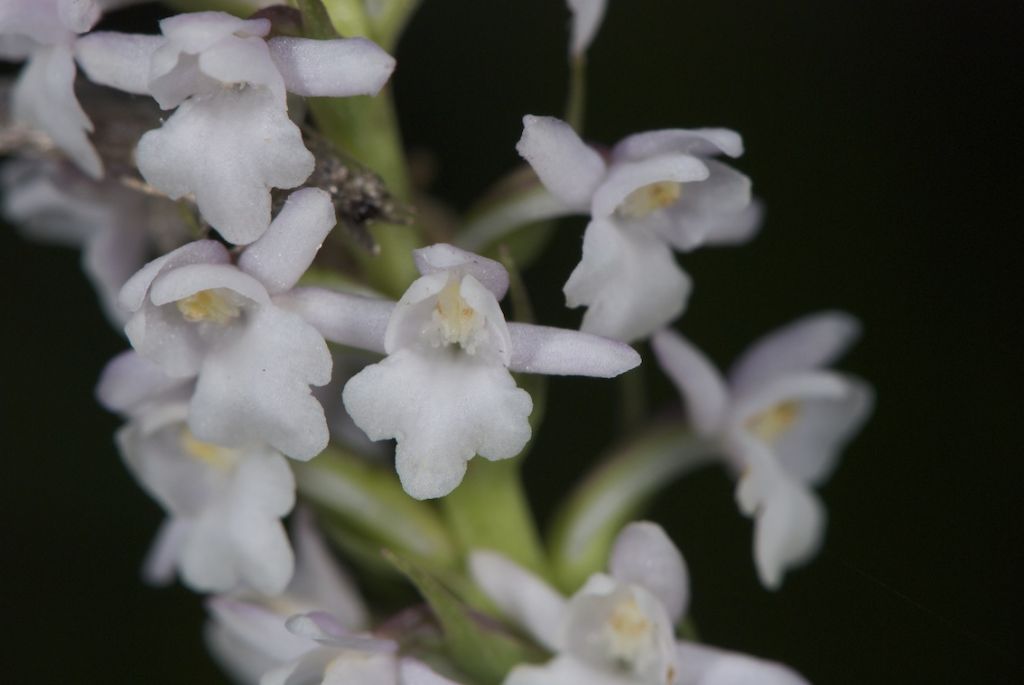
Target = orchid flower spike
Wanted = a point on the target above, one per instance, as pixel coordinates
(197, 314)
(336, 655)
(247, 633)
(659, 191)
(43, 32)
(618, 628)
(224, 504)
(118, 229)
(782, 419)
(444, 390)
(230, 140)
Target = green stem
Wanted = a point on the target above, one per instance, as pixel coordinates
(391, 21)
(612, 495)
(576, 105)
(489, 510)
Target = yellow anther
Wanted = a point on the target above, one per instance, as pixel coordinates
(208, 305)
(458, 322)
(218, 457)
(650, 198)
(773, 422)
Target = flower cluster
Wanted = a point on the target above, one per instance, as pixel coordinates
(270, 357)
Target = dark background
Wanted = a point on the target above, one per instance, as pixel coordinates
(884, 138)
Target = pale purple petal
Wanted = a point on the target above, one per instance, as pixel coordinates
(259, 628)
(810, 342)
(176, 284)
(258, 386)
(325, 629)
(562, 670)
(118, 60)
(228, 150)
(561, 352)
(110, 259)
(44, 98)
(705, 206)
(280, 257)
(443, 410)
(628, 280)
(586, 20)
(698, 381)
(703, 665)
(702, 142)
(357, 668)
(331, 68)
(194, 32)
(644, 555)
(342, 318)
(134, 292)
(443, 257)
(78, 15)
(739, 228)
(567, 166)
(521, 596)
(625, 177)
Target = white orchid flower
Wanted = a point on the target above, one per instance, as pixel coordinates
(587, 16)
(224, 504)
(230, 140)
(445, 390)
(618, 628)
(197, 314)
(782, 420)
(336, 656)
(43, 32)
(247, 633)
(118, 229)
(659, 191)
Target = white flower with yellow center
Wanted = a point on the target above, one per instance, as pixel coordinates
(782, 420)
(618, 628)
(197, 313)
(657, 192)
(224, 504)
(230, 140)
(444, 390)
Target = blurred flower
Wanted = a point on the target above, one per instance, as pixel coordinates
(196, 314)
(444, 390)
(782, 420)
(230, 140)
(618, 628)
(659, 191)
(118, 229)
(586, 20)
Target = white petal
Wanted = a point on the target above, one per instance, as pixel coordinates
(196, 31)
(561, 352)
(325, 629)
(229, 151)
(567, 166)
(342, 318)
(524, 598)
(165, 550)
(280, 257)
(443, 257)
(698, 381)
(413, 311)
(78, 15)
(35, 20)
(110, 259)
(499, 340)
(238, 61)
(243, 663)
(629, 281)
(331, 68)
(706, 205)
(702, 142)
(319, 577)
(240, 542)
(790, 520)
(118, 60)
(625, 177)
(703, 665)
(739, 228)
(828, 409)
(257, 387)
(134, 292)
(443, 409)
(812, 341)
(586, 20)
(413, 672)
(129, 379)
(562, 670)
(643, 554)
(44, 98)
(183, 281)
(357, 668)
